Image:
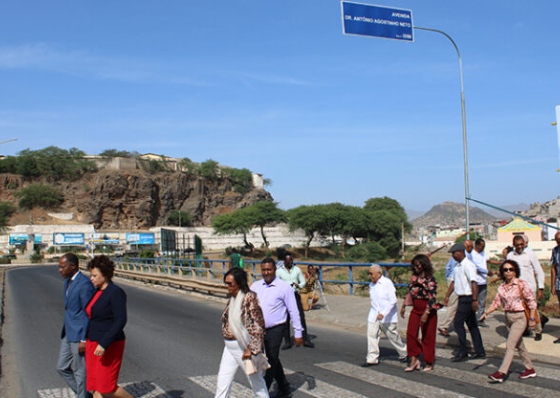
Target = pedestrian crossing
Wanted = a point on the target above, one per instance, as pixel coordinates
(140, 389)
(463, 380)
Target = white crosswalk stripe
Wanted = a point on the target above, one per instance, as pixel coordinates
(319, 390)
(142, 389)
(395, 383)
(510, 385)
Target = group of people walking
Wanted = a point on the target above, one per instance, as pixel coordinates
(92, 338)
(257, 318)
(466, 304)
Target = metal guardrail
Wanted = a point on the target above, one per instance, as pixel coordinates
(205, 272)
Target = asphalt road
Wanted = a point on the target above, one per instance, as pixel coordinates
(174, 341)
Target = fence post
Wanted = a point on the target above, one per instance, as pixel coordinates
(351, 281)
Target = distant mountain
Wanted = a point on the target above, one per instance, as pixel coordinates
(451, 214)
(504, 216)
(413, 214)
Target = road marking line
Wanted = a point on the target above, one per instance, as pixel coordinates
(139, 389)
(320, 389)
(510, 385)
(395, 383)
(209, 383)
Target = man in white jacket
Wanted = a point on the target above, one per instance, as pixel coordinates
(382, 316)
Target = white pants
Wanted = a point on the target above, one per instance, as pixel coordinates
(231, 360)
(374, 334)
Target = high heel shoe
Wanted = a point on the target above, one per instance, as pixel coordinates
(414, 367)
(428, 368)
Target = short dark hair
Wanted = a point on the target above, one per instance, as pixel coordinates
(479, 241)
(518, 238)
(72, 259)
(425, 262)
(515, 266)
(240, 278)
(104, 264)
(268, 260)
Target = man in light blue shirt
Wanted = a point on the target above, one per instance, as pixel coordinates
(295, 278)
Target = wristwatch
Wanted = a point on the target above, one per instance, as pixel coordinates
(532, 319)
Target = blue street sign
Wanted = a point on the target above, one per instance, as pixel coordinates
(377, 21)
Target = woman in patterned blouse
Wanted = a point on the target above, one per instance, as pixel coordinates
(511, 294)
(422, 296)
(243, 331)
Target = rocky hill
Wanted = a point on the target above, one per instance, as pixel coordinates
(451, 214)
(128, 199)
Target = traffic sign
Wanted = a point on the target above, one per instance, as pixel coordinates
(377, 21)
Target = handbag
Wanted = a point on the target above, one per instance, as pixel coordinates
(526, 307)
(250, 367)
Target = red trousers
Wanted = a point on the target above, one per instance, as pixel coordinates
(427, 346)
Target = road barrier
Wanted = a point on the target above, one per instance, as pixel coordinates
(206, 275)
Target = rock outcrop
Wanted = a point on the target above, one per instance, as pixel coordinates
(128, 199)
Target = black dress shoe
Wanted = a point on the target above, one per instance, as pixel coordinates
(368, 364)
(557, 341)
(477, 356)
(287, 346)
(538, 336)
(460, 358)
(308, 344)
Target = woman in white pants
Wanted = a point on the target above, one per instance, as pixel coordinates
(243, 331)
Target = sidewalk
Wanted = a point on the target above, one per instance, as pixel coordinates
(350, 312)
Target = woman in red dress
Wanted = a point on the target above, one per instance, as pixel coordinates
(105, 337)
(423, 291)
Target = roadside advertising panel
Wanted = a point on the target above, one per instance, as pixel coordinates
(141, 239)
(69, 239)
(104, 238)
(21, 239)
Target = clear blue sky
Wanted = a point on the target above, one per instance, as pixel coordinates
(277, 88)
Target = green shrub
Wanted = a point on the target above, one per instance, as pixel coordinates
(6, 211)
(36, 258)
(147, 254)
(45, 196)
(173, 218)
(367, 252)
(242, 179)
(53, 163)
(209, 169)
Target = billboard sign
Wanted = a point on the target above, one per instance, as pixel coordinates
(104, 238)
(21, 239)
(377, 21)
(141, 239)
(65, 238)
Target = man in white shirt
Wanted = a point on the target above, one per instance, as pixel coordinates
(529, 266)
(382, 316)
(465, 287)
(481, 260)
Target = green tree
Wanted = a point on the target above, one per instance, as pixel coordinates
(235, 222)
(334, 218)
(387, 218)
(368, 252)
(188, 166)
(209, 169)
(262, 214)
(115, 153)
(6, 211)
(45, 196)
(308, 218)
(242, 179)
(53, 163)
(185, 218)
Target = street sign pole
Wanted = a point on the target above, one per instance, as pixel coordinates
(465, 156)
(395, 23)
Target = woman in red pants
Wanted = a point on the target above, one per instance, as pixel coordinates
(422, 296)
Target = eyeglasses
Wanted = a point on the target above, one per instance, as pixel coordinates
(509, 269)
(229, 283)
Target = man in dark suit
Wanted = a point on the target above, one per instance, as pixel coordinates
(78, 291)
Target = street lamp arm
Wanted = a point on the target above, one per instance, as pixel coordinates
(465, 157)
